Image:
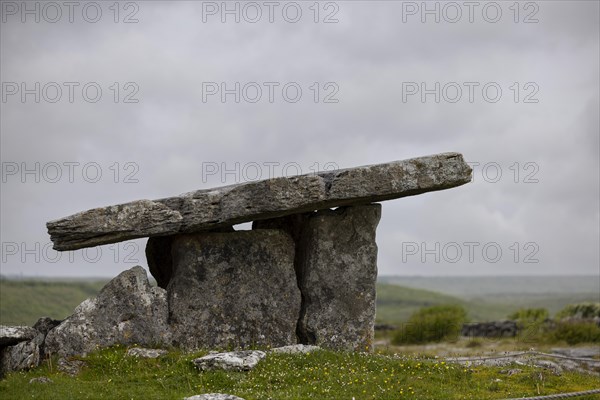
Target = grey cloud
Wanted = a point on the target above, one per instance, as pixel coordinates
(171, 133)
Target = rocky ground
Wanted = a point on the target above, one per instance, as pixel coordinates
(506, 353)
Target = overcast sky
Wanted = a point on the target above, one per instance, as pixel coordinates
(179, 96)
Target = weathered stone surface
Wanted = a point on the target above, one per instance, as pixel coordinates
(22, 356)
(229, 205)
(41, 379)
(232, 361)
(45, 324)
(338, 263)
(213, 396)
(296, 349)
(26, 349)
(160, 261)
(336, 267)
(234, 289)
(70, 366)
(11, 335)
(127, 311)
(146, 353)
(578, 352)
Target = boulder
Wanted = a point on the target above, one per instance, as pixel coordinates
(232, 361)
(22, 356)
(25, 349)
(127, 311)
(212, 208)
(233, 290)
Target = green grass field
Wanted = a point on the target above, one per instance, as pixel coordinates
(322, 375)
(110, 374)
(22, 302)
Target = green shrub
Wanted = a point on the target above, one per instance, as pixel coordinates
(529, 315)
(580, 310)
(531, 324)
(576, 332)
(432, 324)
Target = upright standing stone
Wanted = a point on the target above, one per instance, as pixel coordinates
(339, 272)
(336, 266)
(235, 289)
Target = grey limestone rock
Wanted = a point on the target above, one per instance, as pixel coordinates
(70, 366)
(229, 205)
(145, 353)
(127, 311)
(160, 260)
(233, 290)
(296, 349)
(213, 396)
(22, 356)
(336, 268)
(11, 335)
(338, 264)
(243, 360)
(41, 379)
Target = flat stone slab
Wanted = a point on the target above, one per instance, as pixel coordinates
(11, 335)
(213, 396)
(296, 349)
(233, 361)
(251, 201)
(141, 352)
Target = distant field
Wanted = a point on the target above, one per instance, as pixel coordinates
(24, 301)
(485, 298)
(479, 286)
(396, 303)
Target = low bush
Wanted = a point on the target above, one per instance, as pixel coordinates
(576, 332)
(580, 310)
(532, 324)
(432, 324)
(529, 315)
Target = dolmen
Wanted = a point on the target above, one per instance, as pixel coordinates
(305, 273)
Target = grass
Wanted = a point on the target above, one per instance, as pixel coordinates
(110, 374)
(321, 375)
(24, 302)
